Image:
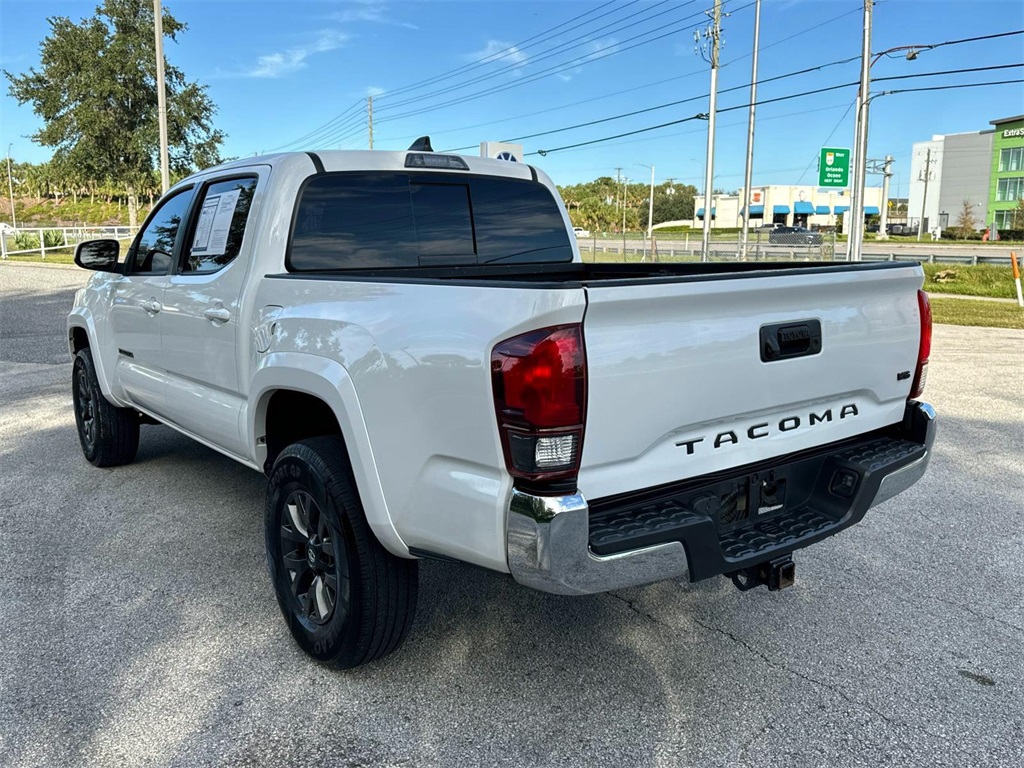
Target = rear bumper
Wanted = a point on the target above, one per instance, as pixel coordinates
(564, 545)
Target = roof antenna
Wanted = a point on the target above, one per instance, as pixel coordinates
(422, 144)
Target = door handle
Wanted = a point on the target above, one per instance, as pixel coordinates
(217, 314)
(152, 306)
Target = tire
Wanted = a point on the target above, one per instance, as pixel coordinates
(109, 435)
(347, 600)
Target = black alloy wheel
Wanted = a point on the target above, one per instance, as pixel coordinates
(109, 435)
(346, 600)
(85, 409)
(311, 561)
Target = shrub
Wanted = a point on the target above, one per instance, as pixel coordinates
(25, 241)
(53, 238)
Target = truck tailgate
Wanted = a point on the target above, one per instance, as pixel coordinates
(680, 384)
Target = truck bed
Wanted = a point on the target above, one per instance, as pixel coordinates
(578, 275)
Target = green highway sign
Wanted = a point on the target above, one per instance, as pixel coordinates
(834, 167)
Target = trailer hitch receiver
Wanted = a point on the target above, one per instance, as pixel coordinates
(776, 574)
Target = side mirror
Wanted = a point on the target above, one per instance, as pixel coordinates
(100, 255)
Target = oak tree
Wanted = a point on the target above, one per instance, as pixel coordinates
(95, 90)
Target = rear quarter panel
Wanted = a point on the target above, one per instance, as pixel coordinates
(418, 357)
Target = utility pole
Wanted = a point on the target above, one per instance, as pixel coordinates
(618, 171)
(650, 212)
(10, 188)
(924, 198)
(747, 174)
(860, 144)
(883, 222)
(624, 182)
(369, 107)
(161, 96)
(650, 207)
(712, 33)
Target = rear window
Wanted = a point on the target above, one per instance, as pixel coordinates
(387, 220)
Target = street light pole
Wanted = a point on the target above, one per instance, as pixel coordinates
(10, 187)
(860, 144)
(161, 96)
(747, 174)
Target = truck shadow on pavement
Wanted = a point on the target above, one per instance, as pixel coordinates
(161, 641)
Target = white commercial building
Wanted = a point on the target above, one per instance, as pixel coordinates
(958, 167)
(796, 206)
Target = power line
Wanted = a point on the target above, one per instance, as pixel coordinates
(827, 140)
(677, 103)
(545, 152)
(314, 132)
(747, 85)
(743, 87)
(445, 75)
(555, 69)
(513, 48)
(564, 47)
(948, 87)
(630, 90)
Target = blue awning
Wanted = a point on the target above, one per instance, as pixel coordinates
(870, 210)
(780, 209)
(822, 210)
(841, 209)
(756, 211)
(802, 206)
(700, 212)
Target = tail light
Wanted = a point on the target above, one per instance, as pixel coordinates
(925, 349)
(540, 393)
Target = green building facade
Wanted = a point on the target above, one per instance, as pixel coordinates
(1006, 181)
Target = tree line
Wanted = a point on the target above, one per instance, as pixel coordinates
(55, 181)
(601, 205)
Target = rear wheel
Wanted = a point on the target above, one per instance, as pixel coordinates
(346, 600)
(109, 435)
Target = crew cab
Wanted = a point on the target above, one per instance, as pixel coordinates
(410, 347)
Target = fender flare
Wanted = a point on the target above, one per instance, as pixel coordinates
(329, 381)
(81, 317)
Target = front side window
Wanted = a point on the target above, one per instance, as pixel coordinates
(220, 225)
(152, 252)
(387, 220)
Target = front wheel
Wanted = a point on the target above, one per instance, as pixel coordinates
(109, 435)
(347, 601)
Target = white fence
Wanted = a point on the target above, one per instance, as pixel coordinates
(54, 238)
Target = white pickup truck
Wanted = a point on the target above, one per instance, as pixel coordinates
(410, 347)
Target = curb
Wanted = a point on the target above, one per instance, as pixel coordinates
(36, 264)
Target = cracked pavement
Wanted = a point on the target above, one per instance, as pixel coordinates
(140, 628)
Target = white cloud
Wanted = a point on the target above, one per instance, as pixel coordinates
(500, 53)
(281, 63)
(374, 90)
(594, 50)
(368, 11)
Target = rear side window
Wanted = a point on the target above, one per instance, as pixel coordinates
(220, 225)
(387, 220)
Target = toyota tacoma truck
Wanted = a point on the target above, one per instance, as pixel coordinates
(410, 347)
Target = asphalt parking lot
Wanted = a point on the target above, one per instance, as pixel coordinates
(138, 625)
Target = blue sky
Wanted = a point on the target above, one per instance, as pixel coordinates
(278, 71)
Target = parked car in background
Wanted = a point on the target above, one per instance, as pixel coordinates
(581, 232)
(794, 236)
